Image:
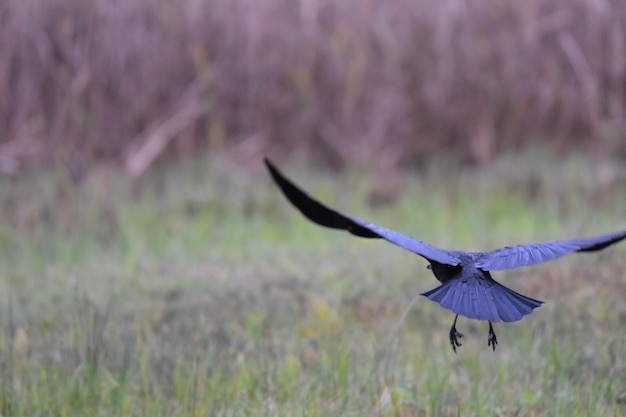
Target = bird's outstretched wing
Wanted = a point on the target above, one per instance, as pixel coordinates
(325, 216)
(535, 253)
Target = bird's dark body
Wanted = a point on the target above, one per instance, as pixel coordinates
(467, 287)
(471, 292)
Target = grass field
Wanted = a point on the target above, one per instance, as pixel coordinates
(201, 292)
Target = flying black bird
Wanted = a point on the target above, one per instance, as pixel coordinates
(466, 284)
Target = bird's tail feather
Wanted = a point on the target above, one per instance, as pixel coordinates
(482, 299)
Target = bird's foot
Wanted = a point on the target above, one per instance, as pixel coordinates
(454, 338)
(492, 340)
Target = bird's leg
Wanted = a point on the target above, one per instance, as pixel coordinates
(454, 335)
(492, 340)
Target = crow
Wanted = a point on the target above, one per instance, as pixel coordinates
(467, 288)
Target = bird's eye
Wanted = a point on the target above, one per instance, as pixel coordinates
(429, 266)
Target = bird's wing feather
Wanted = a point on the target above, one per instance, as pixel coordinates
(535, 253)
(325, 216)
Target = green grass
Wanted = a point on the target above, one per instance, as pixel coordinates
(201, 292)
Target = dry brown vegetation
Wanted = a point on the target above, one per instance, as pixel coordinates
(344, 80)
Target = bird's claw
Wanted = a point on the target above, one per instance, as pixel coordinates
(492, 340)
(454, 336)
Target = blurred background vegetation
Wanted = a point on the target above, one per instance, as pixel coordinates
(377, 82)
(199, 291)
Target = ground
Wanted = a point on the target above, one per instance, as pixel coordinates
(201, 291)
